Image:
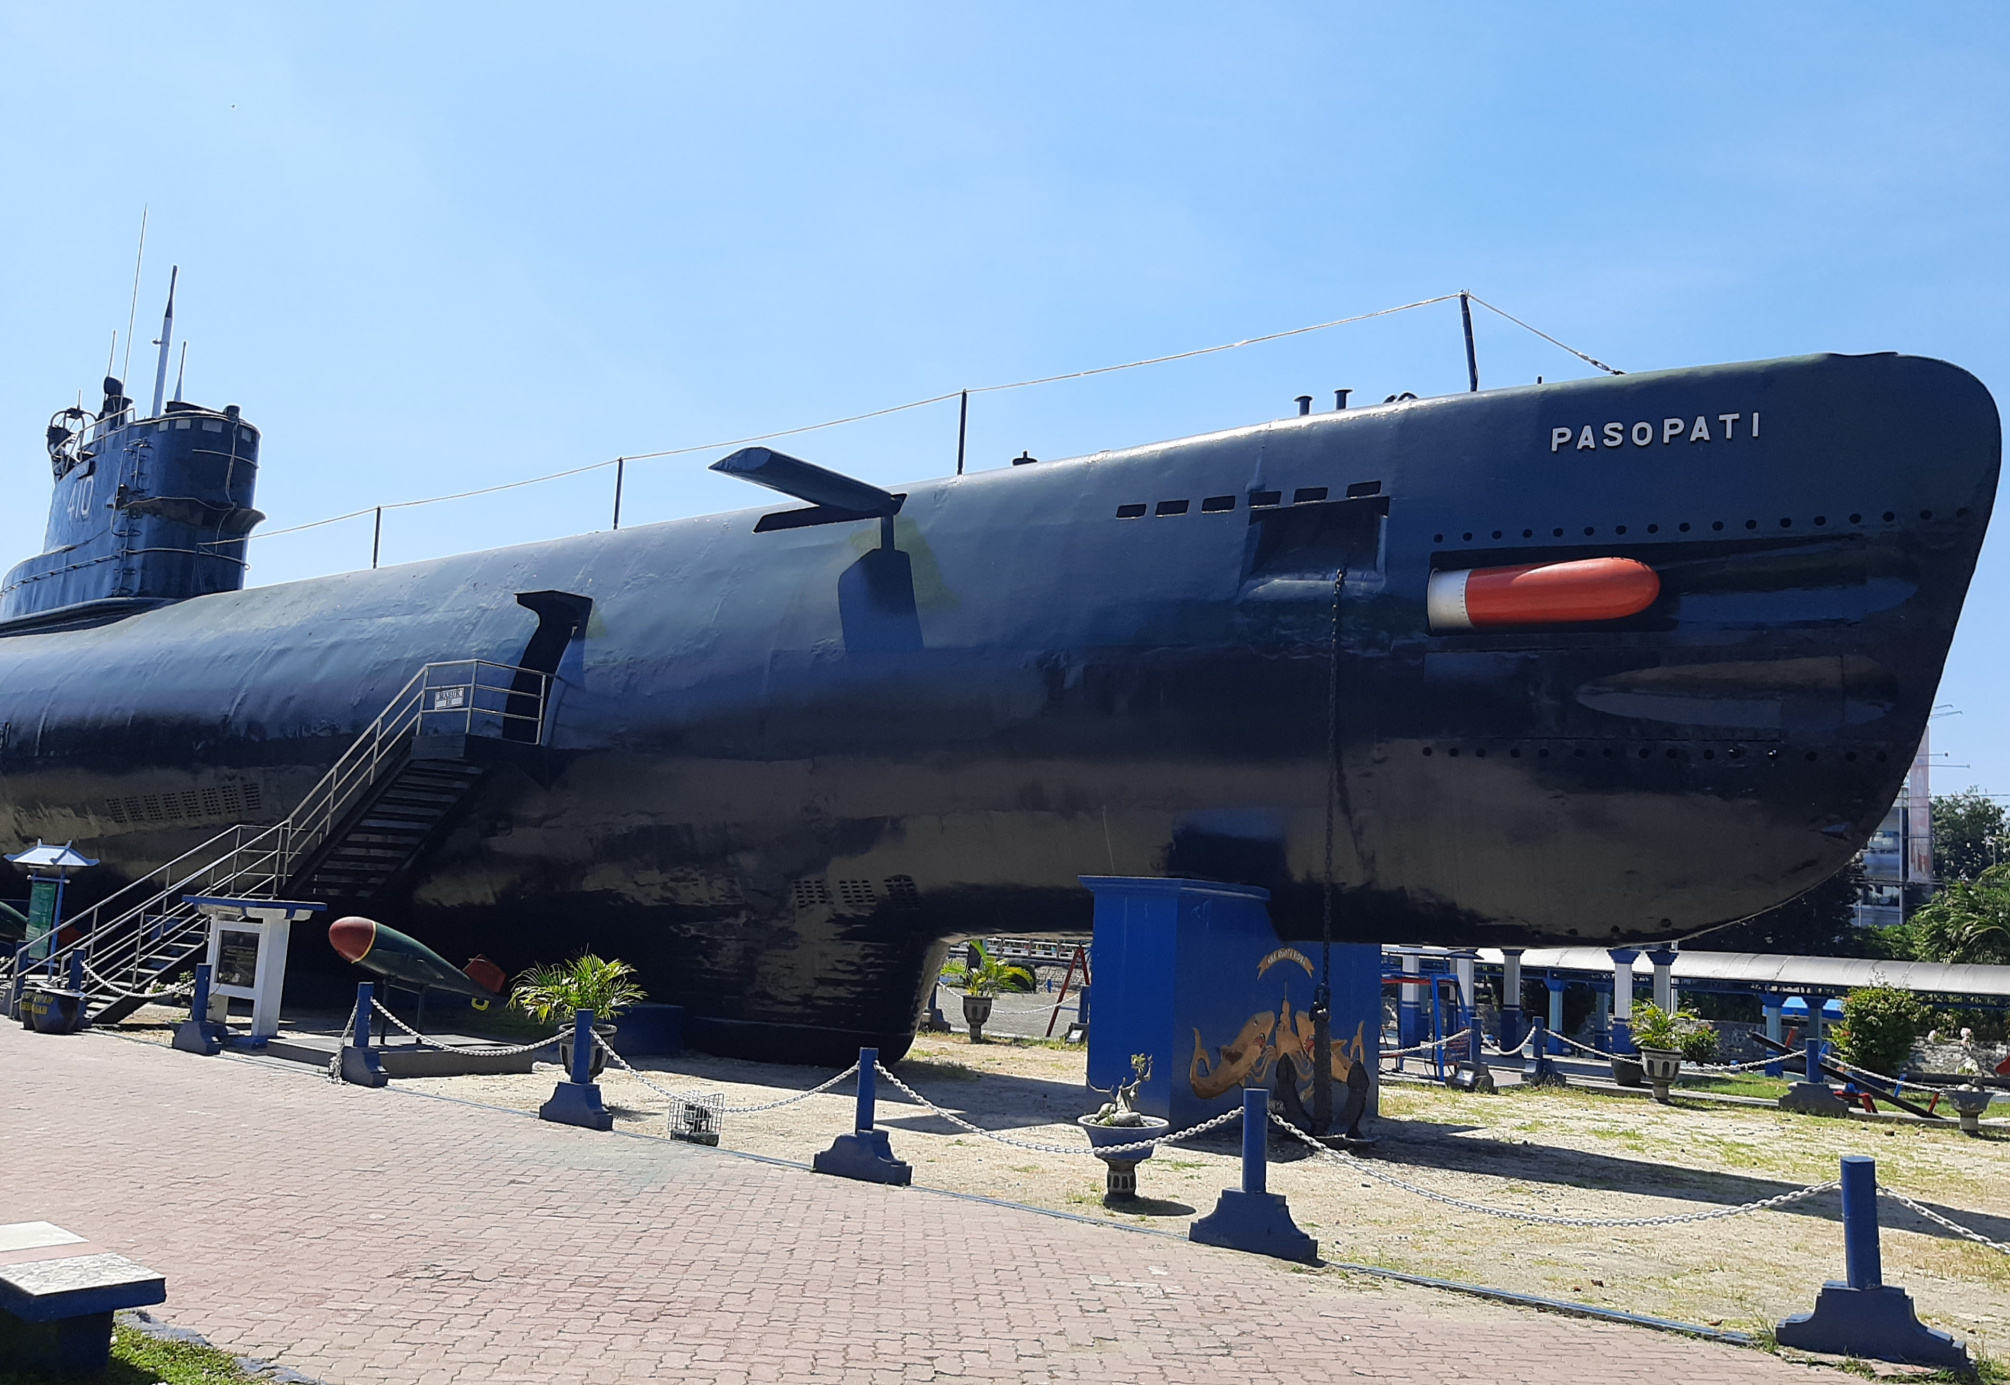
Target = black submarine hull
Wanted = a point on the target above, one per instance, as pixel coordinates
(785, 766)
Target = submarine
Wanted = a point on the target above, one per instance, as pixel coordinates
(1601, 661)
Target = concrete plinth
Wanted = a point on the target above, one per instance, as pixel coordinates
(865, 1155)
(577, 1103)
(1259, 1223)
(1876, 1323)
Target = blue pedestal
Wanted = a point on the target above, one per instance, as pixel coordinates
(577, 1103)
(865, 1155)
(199, 1036)
(1192, 973)
(1875, 1323)
(1259, 1223)
(361, 1067)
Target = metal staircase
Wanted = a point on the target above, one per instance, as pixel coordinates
(370, 817)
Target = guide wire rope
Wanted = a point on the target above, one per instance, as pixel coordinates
(1363, 1167)
(1097, 1151)
(917, 404)
(1424, 1047)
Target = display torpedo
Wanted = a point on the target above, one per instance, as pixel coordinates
(404, 959)
(1609, 660)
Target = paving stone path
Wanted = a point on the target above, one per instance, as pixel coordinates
(365, 1236)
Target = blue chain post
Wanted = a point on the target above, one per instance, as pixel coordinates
(1864, 1316)
(1540, 1070)
(865, 1154)
(359, 1063)
(199, 1033)
(576, 1099)
(1252, 1218)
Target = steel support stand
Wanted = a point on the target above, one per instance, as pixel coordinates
(865, 1154)
(1252, 1218)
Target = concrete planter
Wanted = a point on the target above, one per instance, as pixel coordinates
(1660, 1066)
(976, 1014)
(599, 1059)
(1120, 1182)
(1969, 1103)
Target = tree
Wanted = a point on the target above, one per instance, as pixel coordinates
(1966, 921)
(1969, 834)
(1879, 1026)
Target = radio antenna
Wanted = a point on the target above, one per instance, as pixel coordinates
(180, 372)
(112, 356)
(132, 313)
(166, 344)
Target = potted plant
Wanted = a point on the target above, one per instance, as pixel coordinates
(1121, 1123)
(560, 990)
(982, 977)
(1658, 1036)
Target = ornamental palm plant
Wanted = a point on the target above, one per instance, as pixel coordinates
(562, 989)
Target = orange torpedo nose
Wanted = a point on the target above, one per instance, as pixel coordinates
(352, 937)
(1569, 593)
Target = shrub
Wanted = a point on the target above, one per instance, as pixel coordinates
(587, 982)
(1879, 1026)
(1698, 1041)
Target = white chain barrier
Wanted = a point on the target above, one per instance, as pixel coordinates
(1956, 1227)
(1362, 1166)
(1099, 1151)
(1425, 1047)
(1520, 1050)
(706, 1099)
(480, 1052)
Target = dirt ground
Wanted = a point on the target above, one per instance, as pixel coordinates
(1561, 1152)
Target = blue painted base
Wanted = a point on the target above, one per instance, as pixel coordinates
(1542, 1071)
(362, 1067)
(199, 1036)
(69, 1346)
(577, 1103)
(866, 1156)
(1259, 1223)
(1874, 1323)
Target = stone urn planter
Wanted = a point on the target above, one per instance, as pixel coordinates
(595, 1063)
(1120, 1180)
(1969, 1103)
(1660, 1066)
(976, 1014)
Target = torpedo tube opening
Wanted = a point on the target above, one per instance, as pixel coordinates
(1577, 592)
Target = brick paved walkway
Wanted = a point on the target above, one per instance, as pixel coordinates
(372, 1236)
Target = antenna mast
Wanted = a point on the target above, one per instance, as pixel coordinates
(167, 338)
(133, 312)
(181, 371)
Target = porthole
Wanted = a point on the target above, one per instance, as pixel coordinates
(1786, 524)
(1645, 752)
(1556, 533)
(1497, 533)
(1737, 752)
(1453, 752)
(1716, 524)
(1820, 520)
(1480, 754)
(1850, 755)
(1468, 537)
(1653, 528)
(1130, 512)
(1926, 514)
(1673, 753)
(1608, 752)
(1427, 750)
(1709, 754)
(1751, 524)
(1683, 526)
(1528, 533)
(1856, 519)
(1812, 757)
(1589, 531)
(1889, 516)
(1514, 753)
(1437, 538)
(1620, 530)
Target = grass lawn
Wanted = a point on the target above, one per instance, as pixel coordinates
(138, 1359)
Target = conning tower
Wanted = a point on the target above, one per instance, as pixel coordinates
(146, 511)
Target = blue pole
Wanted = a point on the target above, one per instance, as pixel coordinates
(1814, 1060)
(582, 1047)
(198, 1004)
(1859, 1206)
(365, 992)
(868, 1087)
(1770, 1004)
(1255, 1130)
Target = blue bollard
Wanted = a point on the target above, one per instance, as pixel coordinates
(1864, 1316)
(865, 1154)
(1252, 1218)
(359, 1063)
(199, 1033)
(576, 1100)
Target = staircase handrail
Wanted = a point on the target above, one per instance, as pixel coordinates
(284, 844)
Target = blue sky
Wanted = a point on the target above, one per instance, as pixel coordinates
(434, 248)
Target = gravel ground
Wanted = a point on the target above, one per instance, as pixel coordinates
(1558, 1152)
